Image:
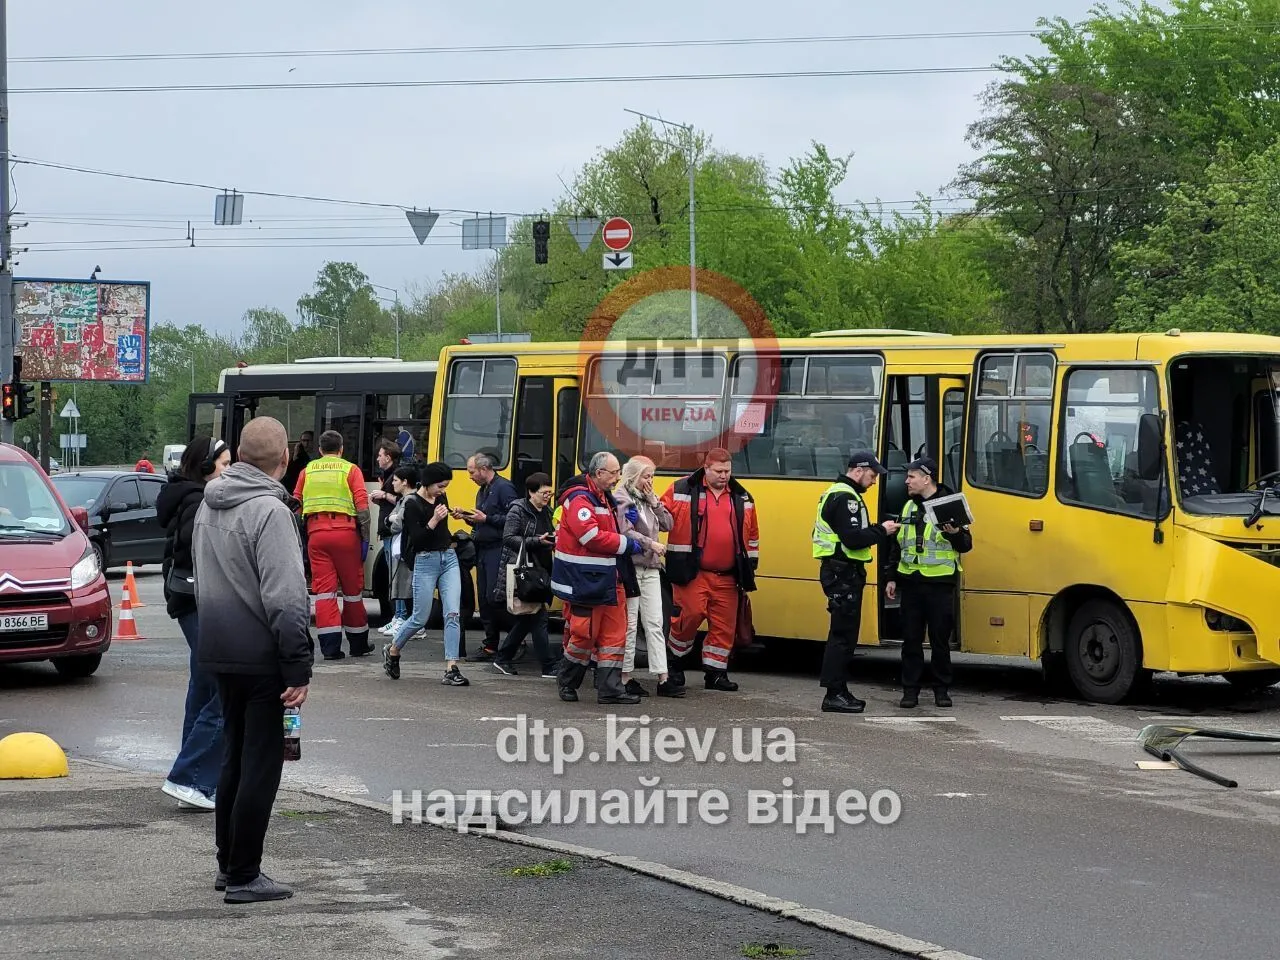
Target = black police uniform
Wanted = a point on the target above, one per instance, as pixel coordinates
(842, 581)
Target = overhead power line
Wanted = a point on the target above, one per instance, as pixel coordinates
(517, 47)
(501, 81)
(575, 46)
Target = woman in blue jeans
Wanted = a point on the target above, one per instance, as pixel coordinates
(193, 779)
(427, 544)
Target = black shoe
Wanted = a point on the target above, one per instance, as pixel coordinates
(335, 656)
(676, 679)
(633, 686)
(390, 664)
(909, 701)
(719, 680)
(669, 689)
(453, 678)
(362, 651)
(504, 667)
(220, 882)
(841, 701)
(484, 656)
(261, 888)
(941, 698)
(568, 695)
(552, 672)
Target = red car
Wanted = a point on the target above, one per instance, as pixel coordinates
(54, 603)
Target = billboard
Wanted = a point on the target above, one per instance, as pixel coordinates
(95, 330)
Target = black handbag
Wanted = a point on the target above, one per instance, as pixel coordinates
(181, 582)
(532, 582)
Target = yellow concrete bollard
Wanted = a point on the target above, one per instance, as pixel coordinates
(31, 756)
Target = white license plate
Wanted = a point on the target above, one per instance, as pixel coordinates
(24, 621)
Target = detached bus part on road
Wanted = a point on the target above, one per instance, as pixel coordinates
(1122, 484)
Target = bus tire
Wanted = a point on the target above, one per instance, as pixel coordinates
(1104, 652)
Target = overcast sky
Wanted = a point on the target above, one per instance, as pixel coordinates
(501, 148)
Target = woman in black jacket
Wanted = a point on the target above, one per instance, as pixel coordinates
(193, 778)
(529, 524)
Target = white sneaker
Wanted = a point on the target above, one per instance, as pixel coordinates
(188, 796)
(390, 629)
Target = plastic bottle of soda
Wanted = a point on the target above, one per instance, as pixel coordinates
(292, 733)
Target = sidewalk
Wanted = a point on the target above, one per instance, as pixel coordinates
(102, 864)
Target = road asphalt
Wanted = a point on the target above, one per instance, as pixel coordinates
(1027, 829)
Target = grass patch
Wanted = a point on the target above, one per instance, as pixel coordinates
(754, 950)
(548, 868)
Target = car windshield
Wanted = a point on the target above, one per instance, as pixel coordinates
(27, 506)
(79, 491)
(1226, 432)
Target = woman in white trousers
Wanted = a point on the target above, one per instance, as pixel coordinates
(642, 517)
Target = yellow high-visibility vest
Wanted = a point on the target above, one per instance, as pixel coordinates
(325, 489)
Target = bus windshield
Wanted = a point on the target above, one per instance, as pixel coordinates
(1226, 431)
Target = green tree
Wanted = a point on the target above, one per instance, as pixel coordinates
(1212, 262)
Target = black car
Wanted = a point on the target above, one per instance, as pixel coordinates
(122, 513)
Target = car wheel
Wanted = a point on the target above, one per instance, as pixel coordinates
(78, 667)
(1104, 654)
(101, 553)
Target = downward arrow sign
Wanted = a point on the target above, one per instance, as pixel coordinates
(618, 259)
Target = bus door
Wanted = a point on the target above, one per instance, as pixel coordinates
(207, 416)
(344, 413)
(534, 429)
(568, 410)
(924, 416)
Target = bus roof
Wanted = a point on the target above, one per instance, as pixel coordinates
(312, 370)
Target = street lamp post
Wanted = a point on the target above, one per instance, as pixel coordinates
(693, 234)
(397, 293)
(337, 326)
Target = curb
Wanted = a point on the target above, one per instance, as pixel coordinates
(744, 896)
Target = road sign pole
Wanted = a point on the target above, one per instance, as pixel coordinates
(8, 338)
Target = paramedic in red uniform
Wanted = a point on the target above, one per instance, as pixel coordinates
(335, 506)
(712, 553)
(588, 575)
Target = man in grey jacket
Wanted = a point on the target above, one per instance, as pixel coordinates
(254, 638)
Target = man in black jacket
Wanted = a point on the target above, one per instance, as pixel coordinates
(843, 536)
(254, 614)
(923, 564)
(488, 521)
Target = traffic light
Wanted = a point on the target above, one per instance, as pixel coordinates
(18, 402)
(26, 403)
(541, 233)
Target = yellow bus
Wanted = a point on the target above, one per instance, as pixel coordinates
(1120, 483)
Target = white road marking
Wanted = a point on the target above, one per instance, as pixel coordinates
(1090, 728)
(910, 719)
(950, 796)
(1156, 765)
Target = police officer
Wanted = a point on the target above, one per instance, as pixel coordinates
(843, 535)
(927, 561)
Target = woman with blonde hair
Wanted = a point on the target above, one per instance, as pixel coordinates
(642, 517)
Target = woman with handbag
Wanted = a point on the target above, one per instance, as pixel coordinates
(404, 480)
(524, 581)
(641, 516)
(426, 544)
(193, 779)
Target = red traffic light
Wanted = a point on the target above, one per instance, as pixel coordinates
(10, 402)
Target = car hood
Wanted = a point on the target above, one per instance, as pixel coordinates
(34, 566)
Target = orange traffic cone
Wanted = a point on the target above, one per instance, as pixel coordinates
(126, 628)
(131, 587)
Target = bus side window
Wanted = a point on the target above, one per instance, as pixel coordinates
(1009, 435)
(478, 410)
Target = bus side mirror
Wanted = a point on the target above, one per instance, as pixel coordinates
(1150, 437)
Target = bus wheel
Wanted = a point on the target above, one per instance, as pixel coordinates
(1104, 655)
(1253, 681)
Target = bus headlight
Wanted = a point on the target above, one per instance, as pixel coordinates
(1217, 620)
